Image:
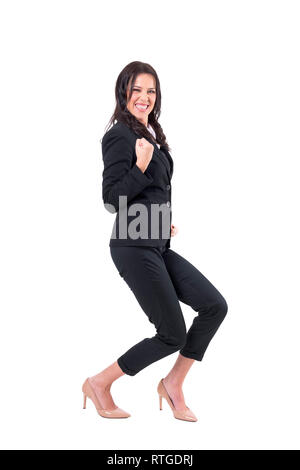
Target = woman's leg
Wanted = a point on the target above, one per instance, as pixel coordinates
(195, 290)
(144, 271)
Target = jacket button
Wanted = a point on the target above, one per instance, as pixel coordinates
(168, 203)
(168, 187)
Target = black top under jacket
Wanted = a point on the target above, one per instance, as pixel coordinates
(122, 177)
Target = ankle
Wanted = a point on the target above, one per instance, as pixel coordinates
(101, 382)
(173, 382)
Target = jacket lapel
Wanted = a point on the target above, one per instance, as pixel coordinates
(168, 155)
(163, 149)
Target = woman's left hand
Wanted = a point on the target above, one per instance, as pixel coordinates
(174, 230)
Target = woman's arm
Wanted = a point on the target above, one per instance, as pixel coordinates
(118, 178)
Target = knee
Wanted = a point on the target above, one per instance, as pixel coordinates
(222, 308)
(180, 340)
(175, 339)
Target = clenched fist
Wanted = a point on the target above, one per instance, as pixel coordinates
(144, 151)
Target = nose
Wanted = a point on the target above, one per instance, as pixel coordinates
(144, 98)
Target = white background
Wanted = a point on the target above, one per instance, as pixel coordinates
(229, 74)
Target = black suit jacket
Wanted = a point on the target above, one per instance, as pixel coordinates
(122, 177)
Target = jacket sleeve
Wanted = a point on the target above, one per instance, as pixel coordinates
(119, 177)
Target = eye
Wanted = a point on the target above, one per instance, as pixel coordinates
(135, 89)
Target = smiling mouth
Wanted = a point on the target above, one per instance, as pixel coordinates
(141, 108)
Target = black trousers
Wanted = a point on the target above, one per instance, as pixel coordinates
(160, 278)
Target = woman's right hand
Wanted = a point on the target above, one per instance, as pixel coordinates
(144, 151)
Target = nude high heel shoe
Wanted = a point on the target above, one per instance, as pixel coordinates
(88, 391)
(186, 415)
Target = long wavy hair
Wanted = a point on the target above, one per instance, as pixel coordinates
(121, 112)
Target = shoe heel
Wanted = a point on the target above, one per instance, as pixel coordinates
(84, 401)
(160, 402)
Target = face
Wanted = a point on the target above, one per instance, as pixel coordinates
(144, 93)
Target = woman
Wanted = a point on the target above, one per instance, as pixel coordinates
(137, 175)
